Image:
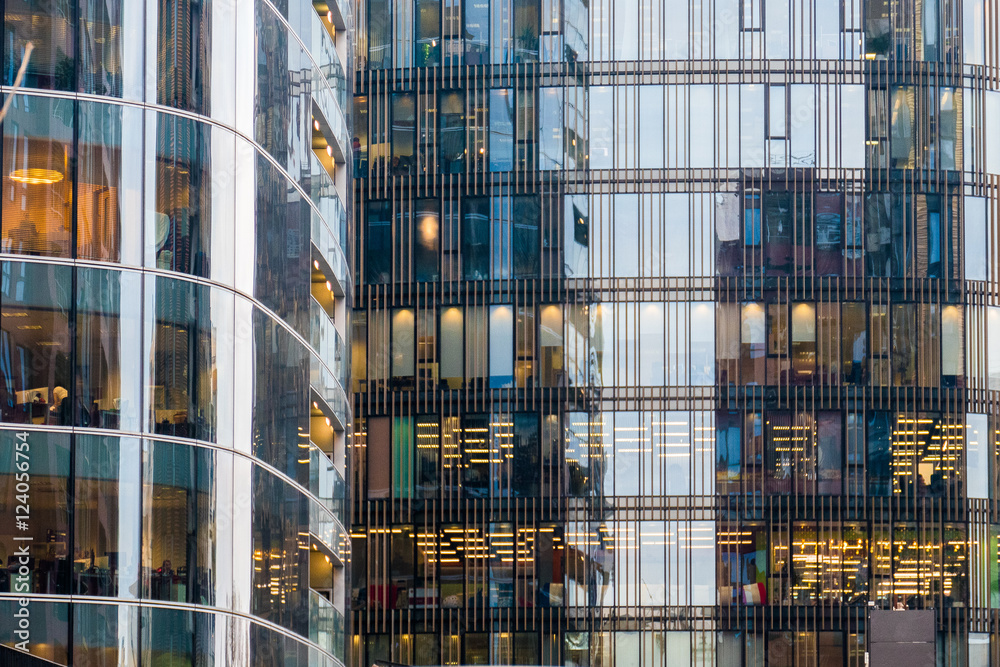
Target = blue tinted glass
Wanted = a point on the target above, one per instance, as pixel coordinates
(501, 129)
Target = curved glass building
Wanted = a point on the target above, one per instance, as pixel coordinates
(174, 309)
(678, 331)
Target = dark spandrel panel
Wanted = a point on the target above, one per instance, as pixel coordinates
(177, 637)
(48, 643)
(105, 635)
(902, 626)
(911, 655)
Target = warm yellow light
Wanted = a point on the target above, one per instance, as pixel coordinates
(35, 176)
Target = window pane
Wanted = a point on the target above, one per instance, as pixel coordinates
(526, 30)
(106, 516)
(50, 27)
(108, 334)
(99, 180)
(402, 457)
(501, 346)
(187, 323)
(280, 518)
(428, 45)
(879, 433)
(830, 453)
(101, 47)
(500, 31)
(752, 330)
(976, 248)
(179, 509)
(828, 234)
(501, 147)
(476, 239)
(902, 127)
(378, 243)
(180, 237)
(550, 149)
(403, 347)
(280, 397)
(475, 456)
(404, 133)
(904, 344)
(702, 339)
(476, 345)
(48, 530)
(426, 249)
(378, 453)
(379, 34)
(551, 346)
(477, 22)
(527, 453)
(428, 451)
(977, 462)
(601, 127)
(451, 342)
(854, 342)
(525, 236)
(184, 38)
(803, 342)
(778, 233)
(37, 152)
(35, 343)
(452, 133)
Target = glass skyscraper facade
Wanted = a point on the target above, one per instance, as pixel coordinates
(677, 338)
(175, 302)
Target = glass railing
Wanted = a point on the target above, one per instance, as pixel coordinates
(330, 389)
(327, 341)
(326, 482)
(326, 625)
(323, 193)
(328, 59)
(339, 500)
(327, 530)
(307, 23)
(329, 233)
(321, 471)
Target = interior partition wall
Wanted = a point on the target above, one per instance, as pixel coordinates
(676, 339)
(174, 314)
